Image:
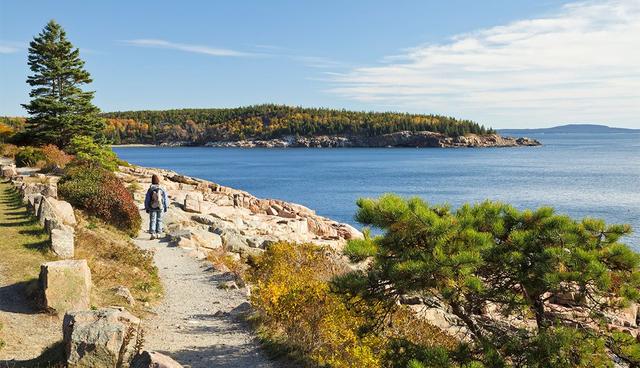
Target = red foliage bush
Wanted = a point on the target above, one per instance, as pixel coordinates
(100, 193)
(55, 157)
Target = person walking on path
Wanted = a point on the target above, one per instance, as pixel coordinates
(156, 204)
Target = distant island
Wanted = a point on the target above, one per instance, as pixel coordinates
(272, 125)
(570, 128)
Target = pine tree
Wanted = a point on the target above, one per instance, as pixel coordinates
(515, 261)
(59, 109)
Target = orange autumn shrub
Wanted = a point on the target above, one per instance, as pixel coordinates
(8, 150)
(297, 309)
(5, 132)
(55, 157)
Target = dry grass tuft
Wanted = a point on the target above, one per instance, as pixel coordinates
(223, 261)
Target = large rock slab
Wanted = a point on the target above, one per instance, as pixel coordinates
(99, 338)
(152, 359)
(53, 209)
(62, 242)
(206, 239)
(65, 285)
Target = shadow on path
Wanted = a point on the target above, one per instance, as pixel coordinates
(16, 298)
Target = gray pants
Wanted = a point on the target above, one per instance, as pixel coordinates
(155, 221)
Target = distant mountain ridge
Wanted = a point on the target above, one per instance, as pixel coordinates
(571, 128)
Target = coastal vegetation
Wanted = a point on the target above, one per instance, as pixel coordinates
(100, 193)
(495, 268)
(491, 254)
(269, 121)
(300, 314)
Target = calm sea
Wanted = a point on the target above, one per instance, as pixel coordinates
(578, 174)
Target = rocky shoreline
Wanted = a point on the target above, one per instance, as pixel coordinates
(422, 139)
(206, 216)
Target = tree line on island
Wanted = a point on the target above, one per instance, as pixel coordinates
(270, 121)
(494, 268)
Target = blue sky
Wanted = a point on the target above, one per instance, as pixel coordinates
(503, 63)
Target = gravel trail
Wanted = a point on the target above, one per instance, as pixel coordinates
(197, 323)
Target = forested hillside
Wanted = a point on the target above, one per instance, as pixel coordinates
(199, 126)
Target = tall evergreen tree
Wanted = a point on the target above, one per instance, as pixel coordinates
(59, 109)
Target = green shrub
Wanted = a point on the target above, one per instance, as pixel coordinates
(100, 193)
(86, 149)
(29, 156)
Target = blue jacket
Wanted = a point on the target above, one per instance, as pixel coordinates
(164, 200)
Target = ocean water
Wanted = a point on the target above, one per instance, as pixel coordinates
(583, 175)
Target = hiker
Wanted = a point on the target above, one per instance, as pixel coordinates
(155, 204)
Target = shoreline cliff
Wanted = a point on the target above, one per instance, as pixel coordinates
(420, 139)
(403, 139)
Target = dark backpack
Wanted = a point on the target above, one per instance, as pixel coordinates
(155, 198)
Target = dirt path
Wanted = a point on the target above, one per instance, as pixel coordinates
(197, 323)
(25, 331)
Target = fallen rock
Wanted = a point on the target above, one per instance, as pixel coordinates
(321, 228)
(65, 285)
(62, 242)
(206, 239)
(205, 219)
(569, 297)
(272, 211)
(95, 338)
(286, 214)
(228, 285)
(410, 300)
(125, 293)
(152, 359)
(349, 232)
(180, 237)
(237, 244)
(191, 203)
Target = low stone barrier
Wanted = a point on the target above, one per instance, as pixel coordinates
(99, 338)
(65, 285)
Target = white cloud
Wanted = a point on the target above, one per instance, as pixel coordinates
(318, 61)
(580, 64)
(312, 61)
(198, 49)
(9, 47)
